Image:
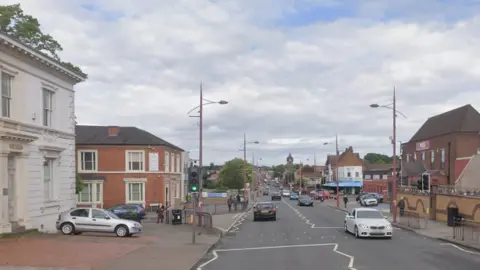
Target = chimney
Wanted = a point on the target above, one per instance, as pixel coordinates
(113, 131)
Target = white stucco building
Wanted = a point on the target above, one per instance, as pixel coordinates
(37, 138)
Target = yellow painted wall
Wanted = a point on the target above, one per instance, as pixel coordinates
(415, 202)
(469, 207)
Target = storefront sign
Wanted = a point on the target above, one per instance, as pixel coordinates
(422, 146)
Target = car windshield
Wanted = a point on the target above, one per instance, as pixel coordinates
(305, 198)
(112, 215)
(368, 196)
(369, 214)
(263, 206)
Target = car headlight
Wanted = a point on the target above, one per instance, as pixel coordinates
(363, 226)
(137, 225)
(388, 227)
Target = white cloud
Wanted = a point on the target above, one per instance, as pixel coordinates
(291, 88)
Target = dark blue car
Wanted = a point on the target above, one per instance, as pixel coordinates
(123, 209)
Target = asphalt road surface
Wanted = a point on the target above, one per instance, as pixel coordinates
(314, 238)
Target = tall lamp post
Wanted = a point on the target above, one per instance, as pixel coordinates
(395, 113)
(203, 102)
(330, 172)
(245, 164)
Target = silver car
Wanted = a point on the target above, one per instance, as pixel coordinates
(79, 220)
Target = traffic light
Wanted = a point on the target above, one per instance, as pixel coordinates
(426, 181)
(193, 179)
(419, 184)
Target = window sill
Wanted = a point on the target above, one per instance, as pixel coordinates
(94, 171)
(135, 171)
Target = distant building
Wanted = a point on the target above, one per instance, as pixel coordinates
(347, 170)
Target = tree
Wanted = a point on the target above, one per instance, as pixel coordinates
(26, 28)
(232, 174)
(375, 158)
(278, 170)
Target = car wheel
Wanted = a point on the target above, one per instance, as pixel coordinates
(355, 232)
(389, 238)
(275, 218)
(345, 225)
(121, 231)
(67, 228)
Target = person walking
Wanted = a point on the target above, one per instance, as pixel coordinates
(160, 216)
(229, 203)
(401, 206)
(345, 200)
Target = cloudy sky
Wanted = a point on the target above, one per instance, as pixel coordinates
(295, 72)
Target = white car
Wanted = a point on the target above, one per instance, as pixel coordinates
(286, 193)
(367, 222)
(368, 201)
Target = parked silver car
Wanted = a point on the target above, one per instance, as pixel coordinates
(79, 220)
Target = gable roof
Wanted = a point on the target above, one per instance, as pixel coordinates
(460, 120)
(349, 150)
(98, 135)
(332, 160)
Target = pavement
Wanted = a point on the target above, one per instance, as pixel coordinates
(314, 237)
(160, 246)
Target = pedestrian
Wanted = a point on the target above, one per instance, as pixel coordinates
(401, 206)
(345, 201)
(160, 214)
(229, 203)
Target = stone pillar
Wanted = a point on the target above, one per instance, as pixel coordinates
(22, 180)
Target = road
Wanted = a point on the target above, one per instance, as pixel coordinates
(309, 238)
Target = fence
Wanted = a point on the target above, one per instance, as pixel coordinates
(465, 230)
(203, 219)
(452, 190)
(413, 220)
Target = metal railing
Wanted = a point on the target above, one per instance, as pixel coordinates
(413, 220)
(465, 230)
(452, 190)
(413, 190)
(203, 219)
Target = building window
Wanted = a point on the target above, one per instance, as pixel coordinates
(415, 156)
(92, 192)
(376, 177)
(172, 162)
(6, 94)
(87, 160)
(408, 157)
(135, 190)
(47, 107)
(349, 174)
(368, 176)
(135, 161)
(385, 176)
(432, 159)
(48, 180)
(357, 174)
(423, 156)
(167, 162)
(178, 164)
(442, 163)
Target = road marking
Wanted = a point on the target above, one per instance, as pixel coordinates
(307, 221)
(461, 249)
(235, 216)
(335, 249)
(239, 221)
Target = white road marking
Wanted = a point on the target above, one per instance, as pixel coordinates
(239, 221)
(335, 249)
(307, 221)
(461, 249)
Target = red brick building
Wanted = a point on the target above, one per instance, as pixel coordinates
(126, 165)
(444, 144)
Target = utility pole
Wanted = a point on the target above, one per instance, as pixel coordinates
(245, 166)
(394, 142)
(200, 149)
(336, 168)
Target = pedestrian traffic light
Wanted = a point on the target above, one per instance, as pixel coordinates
(426, 181)
(193, 179)
(419, 185)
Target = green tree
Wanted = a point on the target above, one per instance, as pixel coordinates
(232, 174)
(278, 170)
(375, 158)
(26, 28)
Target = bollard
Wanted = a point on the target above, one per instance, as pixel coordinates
(191, 219)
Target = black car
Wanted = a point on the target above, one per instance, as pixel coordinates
(265, 211)
(265, 193)
(305, 201)
(276, 196)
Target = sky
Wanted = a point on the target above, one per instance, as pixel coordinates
(294, 73)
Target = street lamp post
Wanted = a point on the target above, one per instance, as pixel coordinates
(203, 102)
(245, 164)
(338, 185)
(393, 107)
